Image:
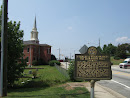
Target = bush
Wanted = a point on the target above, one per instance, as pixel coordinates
(53, 57)
(34, 74)
(116, 58)
(39, 62)
(71, 71)
(35, 63)
(51, 63)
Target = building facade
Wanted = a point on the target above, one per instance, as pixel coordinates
(34, 51)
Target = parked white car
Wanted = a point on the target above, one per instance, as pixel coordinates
(125, 64)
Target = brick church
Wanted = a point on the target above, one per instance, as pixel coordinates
(33, 50)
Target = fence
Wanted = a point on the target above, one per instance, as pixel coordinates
(62, 71)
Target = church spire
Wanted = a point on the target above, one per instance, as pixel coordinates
(35, 24)
(34, 32)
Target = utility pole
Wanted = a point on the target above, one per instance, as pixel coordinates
(59, 53)
(70, 56)
(3, 66)
(99, 42)
(74, 54)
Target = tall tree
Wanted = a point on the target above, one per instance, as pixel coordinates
(109, 49)
(121, 50)
(15, 65)
(99, 49)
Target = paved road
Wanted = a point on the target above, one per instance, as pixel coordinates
(120, 81)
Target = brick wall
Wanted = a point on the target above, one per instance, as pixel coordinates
(36, 52)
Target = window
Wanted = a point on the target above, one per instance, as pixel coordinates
(27, 59)
(34, 58)
(48, 50)
(34, 49)
(27, 49)
(124, 61)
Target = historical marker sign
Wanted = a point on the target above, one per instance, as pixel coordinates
(92, 65)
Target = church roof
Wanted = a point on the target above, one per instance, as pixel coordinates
(44, 45)
(30, 42)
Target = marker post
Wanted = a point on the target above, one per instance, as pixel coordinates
(92, 88)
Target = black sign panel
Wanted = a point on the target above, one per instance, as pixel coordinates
(92, 65)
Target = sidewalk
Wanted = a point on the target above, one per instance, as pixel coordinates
(65, 65)
(100, 91)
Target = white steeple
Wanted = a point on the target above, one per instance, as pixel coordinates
(34, 32)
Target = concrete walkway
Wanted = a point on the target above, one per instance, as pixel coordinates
(65, 65)
(100, 91)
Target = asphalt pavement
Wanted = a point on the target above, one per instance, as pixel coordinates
(120, 81)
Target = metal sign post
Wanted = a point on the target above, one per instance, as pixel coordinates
(92, 88)
(3, 67)
(92, 66)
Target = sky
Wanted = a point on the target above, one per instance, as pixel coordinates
(70, 24)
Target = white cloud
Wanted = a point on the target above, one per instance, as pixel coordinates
(123, 40)
(69, 28)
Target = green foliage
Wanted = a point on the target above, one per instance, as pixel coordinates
(15, 51)
(116, 62)
(118, 52)
(71, 71)
(59, 91)
(34, 73)
(52, 63)
(46, 77)
(109, 49)
(121, 51)
(15, 65)
(116, 58)
(99, 49)
(53, 57)
(35, 63)
(39, 62)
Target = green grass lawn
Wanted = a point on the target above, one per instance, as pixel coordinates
(48, 92)
(46, 85)
(116, 62)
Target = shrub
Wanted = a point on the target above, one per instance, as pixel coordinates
(116, 58)
(35, 63)
(34, 74)
(39, 62)
(53, 57)
(51, 63)
(71, 71)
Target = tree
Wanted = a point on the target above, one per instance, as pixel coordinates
(15, 64)
(109, 49)
(53, 57)
(121, 50)
(99, 49)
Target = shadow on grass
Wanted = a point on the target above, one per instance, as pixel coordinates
(75, 95)
(29, 86)
(34, 85)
